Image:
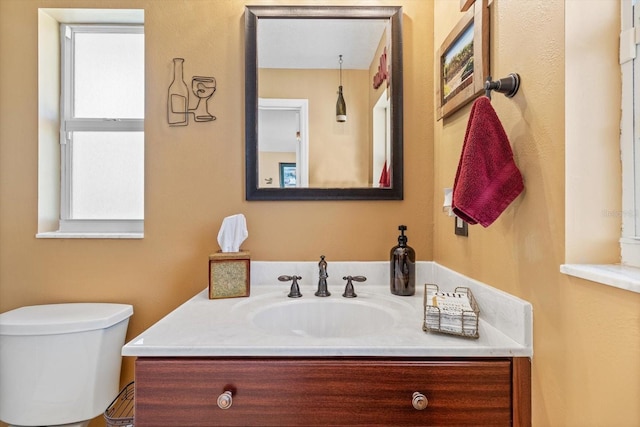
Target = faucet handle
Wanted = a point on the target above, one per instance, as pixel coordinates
(294, 292)
(349, 292)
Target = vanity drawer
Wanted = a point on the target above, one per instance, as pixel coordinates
(335, 391)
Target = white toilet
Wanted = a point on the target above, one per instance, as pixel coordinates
(60, 363)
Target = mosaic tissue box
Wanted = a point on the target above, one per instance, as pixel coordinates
(229, 274)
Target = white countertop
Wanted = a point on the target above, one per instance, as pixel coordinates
(223, 327)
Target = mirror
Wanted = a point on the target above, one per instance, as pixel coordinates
(295, 147)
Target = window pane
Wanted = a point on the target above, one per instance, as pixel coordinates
(107, 175)
(109, 75)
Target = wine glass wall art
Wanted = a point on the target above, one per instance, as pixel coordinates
(179, 95)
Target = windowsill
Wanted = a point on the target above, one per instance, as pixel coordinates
(615, 275)
(67, 235)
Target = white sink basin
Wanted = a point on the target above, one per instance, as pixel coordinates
(324, 318)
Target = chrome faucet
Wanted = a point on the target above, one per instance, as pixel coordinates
(322, 282)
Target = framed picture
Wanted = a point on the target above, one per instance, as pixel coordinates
(465, 5)
(287, 175)
(463, 61)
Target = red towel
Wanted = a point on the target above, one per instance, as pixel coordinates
(487, 180)
(385, 179)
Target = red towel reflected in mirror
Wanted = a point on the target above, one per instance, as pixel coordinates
(385, 179)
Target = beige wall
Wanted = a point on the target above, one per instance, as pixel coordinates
(586, 336)
(592, 154)
(195, 175)
(586, 369)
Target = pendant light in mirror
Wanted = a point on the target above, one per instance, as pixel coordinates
(341, 106)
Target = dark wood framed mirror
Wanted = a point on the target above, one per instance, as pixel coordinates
(372, 137)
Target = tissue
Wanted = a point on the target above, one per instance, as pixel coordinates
(233, 232)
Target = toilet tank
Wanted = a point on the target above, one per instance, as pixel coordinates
(60, 362)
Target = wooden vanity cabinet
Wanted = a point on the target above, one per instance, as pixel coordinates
(332, 391)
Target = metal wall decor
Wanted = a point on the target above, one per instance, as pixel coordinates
(178, 97)
(383, 71)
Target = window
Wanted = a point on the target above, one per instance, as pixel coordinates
(102, 129)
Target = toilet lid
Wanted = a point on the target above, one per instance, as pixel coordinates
(51, 319)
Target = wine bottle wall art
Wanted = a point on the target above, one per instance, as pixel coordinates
(179, 97)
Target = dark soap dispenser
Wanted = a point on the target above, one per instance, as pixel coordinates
(403, 266)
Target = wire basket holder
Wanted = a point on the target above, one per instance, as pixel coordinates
(460, 322)
(121, 411)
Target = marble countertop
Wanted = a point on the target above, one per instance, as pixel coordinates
(225, 327)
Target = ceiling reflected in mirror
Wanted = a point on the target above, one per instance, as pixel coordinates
(316, 43)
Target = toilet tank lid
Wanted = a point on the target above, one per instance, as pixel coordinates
(49, 319)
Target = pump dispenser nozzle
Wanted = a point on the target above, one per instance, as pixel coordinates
(402, 239)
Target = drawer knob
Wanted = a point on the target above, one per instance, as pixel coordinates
(419, 401)
(225, 400)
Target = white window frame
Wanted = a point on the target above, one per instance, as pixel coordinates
(69, 124)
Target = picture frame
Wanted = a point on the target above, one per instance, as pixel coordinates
(463, 61)
(288, 176)
(465, 5)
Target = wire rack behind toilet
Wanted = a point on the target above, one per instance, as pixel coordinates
(120, 411)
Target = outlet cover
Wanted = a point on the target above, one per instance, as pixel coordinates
(461, 227)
